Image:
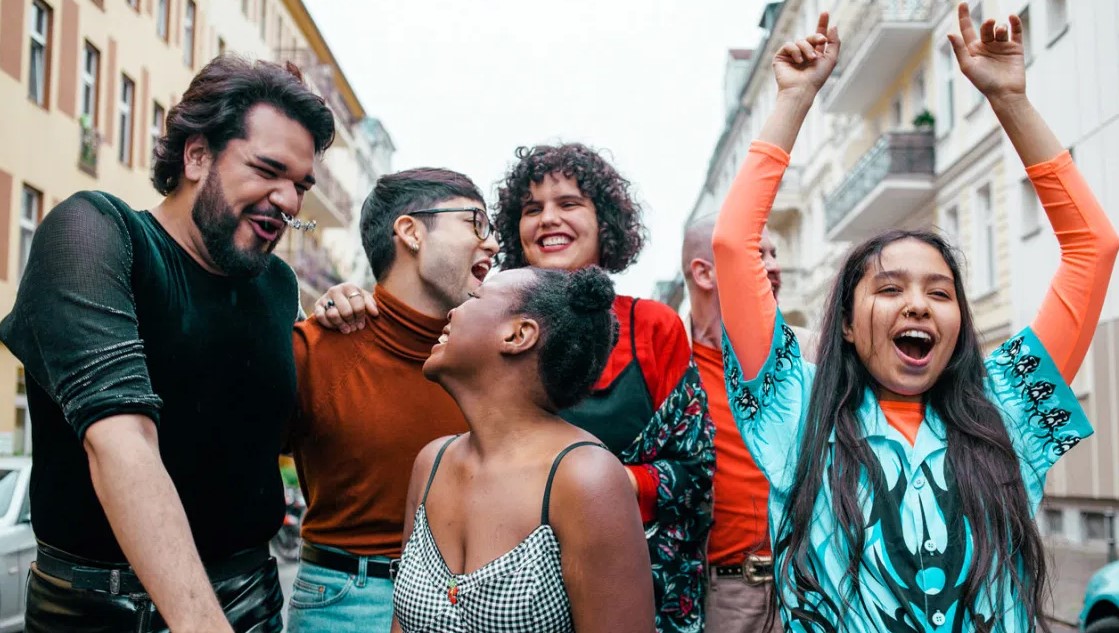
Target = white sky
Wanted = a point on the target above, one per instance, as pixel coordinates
(461, 84)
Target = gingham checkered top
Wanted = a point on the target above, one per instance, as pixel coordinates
(521, 591)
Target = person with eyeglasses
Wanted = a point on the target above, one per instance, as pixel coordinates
(364, 409)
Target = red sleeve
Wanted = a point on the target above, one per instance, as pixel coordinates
(1067, 320)
(747, 303)
(647, 479)
(663, 349)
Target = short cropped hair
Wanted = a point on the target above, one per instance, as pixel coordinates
(400, 194)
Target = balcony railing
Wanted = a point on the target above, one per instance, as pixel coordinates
(885, 33)
(897, 155)
(89, 146)
(321, 78)
(313, 267)
(327, 185)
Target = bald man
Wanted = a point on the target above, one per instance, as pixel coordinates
(738, 551)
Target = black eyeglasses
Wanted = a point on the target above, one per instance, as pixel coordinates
(482, 227)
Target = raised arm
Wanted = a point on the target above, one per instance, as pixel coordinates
(993, 59)
(747, 302)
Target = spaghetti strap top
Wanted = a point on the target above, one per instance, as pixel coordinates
(520, 591)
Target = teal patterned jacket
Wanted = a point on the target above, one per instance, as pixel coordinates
(917, 554)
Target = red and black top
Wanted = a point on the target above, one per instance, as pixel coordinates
(649, 409)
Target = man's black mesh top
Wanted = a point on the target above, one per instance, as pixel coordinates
(114, 317)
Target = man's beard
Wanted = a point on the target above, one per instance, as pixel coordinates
(217, 222)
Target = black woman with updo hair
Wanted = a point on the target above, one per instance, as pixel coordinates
(526, 522)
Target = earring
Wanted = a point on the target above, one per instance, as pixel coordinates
(415, 247)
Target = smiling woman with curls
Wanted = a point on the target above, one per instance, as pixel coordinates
(565, 207)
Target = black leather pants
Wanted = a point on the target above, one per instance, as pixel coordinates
(252, 601)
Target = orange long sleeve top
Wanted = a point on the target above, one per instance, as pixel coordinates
(1065, 322)
(364, 412)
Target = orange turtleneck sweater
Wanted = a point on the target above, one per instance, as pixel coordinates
(364, 412)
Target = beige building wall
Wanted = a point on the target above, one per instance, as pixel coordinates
(43, 144)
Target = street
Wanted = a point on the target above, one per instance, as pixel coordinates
(287, 577)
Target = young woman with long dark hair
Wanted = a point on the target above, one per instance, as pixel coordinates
(905, 469)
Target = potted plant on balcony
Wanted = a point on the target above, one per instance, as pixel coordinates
(924, 121)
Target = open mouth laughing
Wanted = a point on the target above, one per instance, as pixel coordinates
(265, 227)
(481, 269)
(914, 346)
(553, 242)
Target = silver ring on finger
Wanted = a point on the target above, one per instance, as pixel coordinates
(352, 295)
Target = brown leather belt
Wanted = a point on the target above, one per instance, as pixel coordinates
(348, 563)
(754, 570)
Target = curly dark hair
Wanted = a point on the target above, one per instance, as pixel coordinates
(215, 105)
(577, 329)
(620, 232)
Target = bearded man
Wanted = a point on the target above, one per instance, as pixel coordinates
(158, 347)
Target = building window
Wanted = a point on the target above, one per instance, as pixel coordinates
(21, 440)
(986, 269)
(40, 35)
(946, 118)
(162, 19)
(977, 19)
(127, 100)
(920, 98)
(1027, 34)
(135, 4)
(1056, 12)
(91, 80)
(30, 212)
(1093, 526)
(896, 110)
(263, 20)
(188, 34)
(950, 224)
(245, 8)
(1031, 209)
(156, 131)
(1054, 522)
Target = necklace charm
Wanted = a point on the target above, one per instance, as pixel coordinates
(452, 590)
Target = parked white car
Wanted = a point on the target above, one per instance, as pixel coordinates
(17, 541)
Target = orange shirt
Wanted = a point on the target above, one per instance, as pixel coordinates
(741, 490)
(365, 411)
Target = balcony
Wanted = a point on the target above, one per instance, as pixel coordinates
(887, 184)
(312, 266)
(328, 202)
(886, 34)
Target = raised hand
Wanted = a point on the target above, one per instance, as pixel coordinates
(807, 63)
(993, 59)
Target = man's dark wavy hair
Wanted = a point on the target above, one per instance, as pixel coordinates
(620, 232)
(1008, 556)
(215, 105)
(577, 329)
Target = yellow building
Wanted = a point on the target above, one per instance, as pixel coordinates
(86, 86)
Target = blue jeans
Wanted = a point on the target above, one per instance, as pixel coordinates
(328, 601)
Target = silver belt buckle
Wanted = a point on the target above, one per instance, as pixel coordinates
(751, 572)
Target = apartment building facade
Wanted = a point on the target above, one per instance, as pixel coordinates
(86, 87)
(900, 138)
